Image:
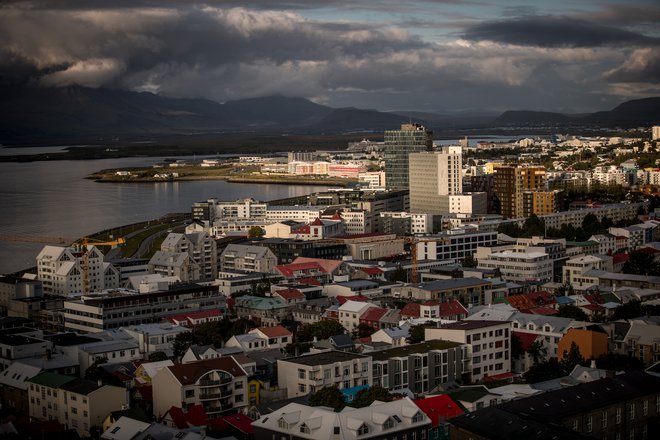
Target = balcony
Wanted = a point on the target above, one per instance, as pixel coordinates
(209, 396)
(209, 383)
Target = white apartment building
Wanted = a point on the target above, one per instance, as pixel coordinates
(574, 268)
(489, 342)
(218, 384)
(454, 245)
(247, 258)
(606, 243)
(308, 373)
(655, 132)
(420, 223)
(469, 203)
(374, 179)
(155, 337)
(522, 263)
(95, 313)
(350, 312)
(304, 214)
(634, 234)
(615, 211)
(175, 264)
(242, 208)
(76, 403)
(61, 270)
(201, 248)
(357, 221)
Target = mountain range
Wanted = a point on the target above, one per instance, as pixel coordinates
(36, 114)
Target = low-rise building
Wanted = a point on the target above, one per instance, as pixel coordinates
(247, 258)
(467, 290)
(308, 373)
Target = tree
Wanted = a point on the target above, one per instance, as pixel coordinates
(629, 310)
(157, 356)
(469, 261)
(319, 330)
(363, 330)
(533, 226)
(328, 396)
(550, 369)
(574, 312)
(399, 275)
(619, 362)
(367, 396)
(416, 334)
(571, 358)
(182, 343)
(641, 263)
(537, 351)
(256, 232)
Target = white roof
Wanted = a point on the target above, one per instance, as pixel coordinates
(17, 374)
(124, 429)
(354, 306)
(151, 368)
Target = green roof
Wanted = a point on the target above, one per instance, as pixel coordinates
(469, 394)
(407, 350)
(51, 380)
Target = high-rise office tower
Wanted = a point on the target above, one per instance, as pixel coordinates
(511, 182)
(434, 176)
(412, 138)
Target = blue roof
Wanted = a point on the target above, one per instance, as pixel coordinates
(350, 393)
(564, 300)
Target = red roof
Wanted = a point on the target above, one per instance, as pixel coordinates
(194, 416)
(439, 408)
(327, 265)
(620, 258)
(497, 377)
(309, 281)
(526, 339)
(195, 315)
(336, 216)
(365, 235)
(288, 270)
(546, 311)
(274, 332)
(410, 309)
(592, 307)
(301, 230)
(372, 270)
(530, 300)
(373, 314)
(342, 299)
(452, 308)
(316, 222)
(289, 294)
(239, 421)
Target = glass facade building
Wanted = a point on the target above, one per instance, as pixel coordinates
(411, 138)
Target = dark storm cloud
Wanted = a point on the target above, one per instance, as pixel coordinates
(642, 66)
(554, 31)
(626, 14)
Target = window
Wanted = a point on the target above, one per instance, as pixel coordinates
(589, 423)
(575, 425)
(603, 420)
(253, 388)
(389, 424)
(618, 416)
(631, 412)
(282, 424)
(304, 429)
(645, 408)
(363, 430)
(418, 417)
(74, 410)
(190, 394)
(85, 414)
(301, 373)
(302, 388)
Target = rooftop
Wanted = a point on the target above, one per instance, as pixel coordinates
(470, 325)
(324, 358)
(407, 350)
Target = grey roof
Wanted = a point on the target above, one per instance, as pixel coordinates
(169, 259)
(341, 341)
(242, 250)
(106, 346)
(356, 284)
(558, 324)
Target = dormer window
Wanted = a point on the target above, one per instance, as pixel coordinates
(418, 417)
(389, 424)
(304, 429)
(282, 424)
(363, 430)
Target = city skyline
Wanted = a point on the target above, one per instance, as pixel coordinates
(440, 56)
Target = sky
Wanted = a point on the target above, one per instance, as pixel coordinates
(441, 56)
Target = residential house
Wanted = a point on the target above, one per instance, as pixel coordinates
(264, 311)
(219, 385)
(145, 373)
(262, 338)
(394, 336)
(14, 386)
(152, 338)
(439, 409)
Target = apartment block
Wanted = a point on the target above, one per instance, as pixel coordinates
(427, 367)
(219, 385)
(306, 374)
(489, 342)
(399, 144)
(454, 245)
(511, 181)
(247, 258)
(201, 248)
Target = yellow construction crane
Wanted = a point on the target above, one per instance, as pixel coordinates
(413, 242)
(84, 263)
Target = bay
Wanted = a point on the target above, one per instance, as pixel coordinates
(54, 199)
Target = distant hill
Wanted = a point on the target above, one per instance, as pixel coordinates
(353, 119)
(32, 114)
(638, 112)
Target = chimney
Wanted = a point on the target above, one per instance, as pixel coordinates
(593, 363)
(99, 383)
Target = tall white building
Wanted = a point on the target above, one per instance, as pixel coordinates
(61, 270)
(433, 176)
(201, 248)
(656, 132)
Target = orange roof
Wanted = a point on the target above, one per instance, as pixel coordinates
(451, 308)
(274, 332)
(373, 314)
